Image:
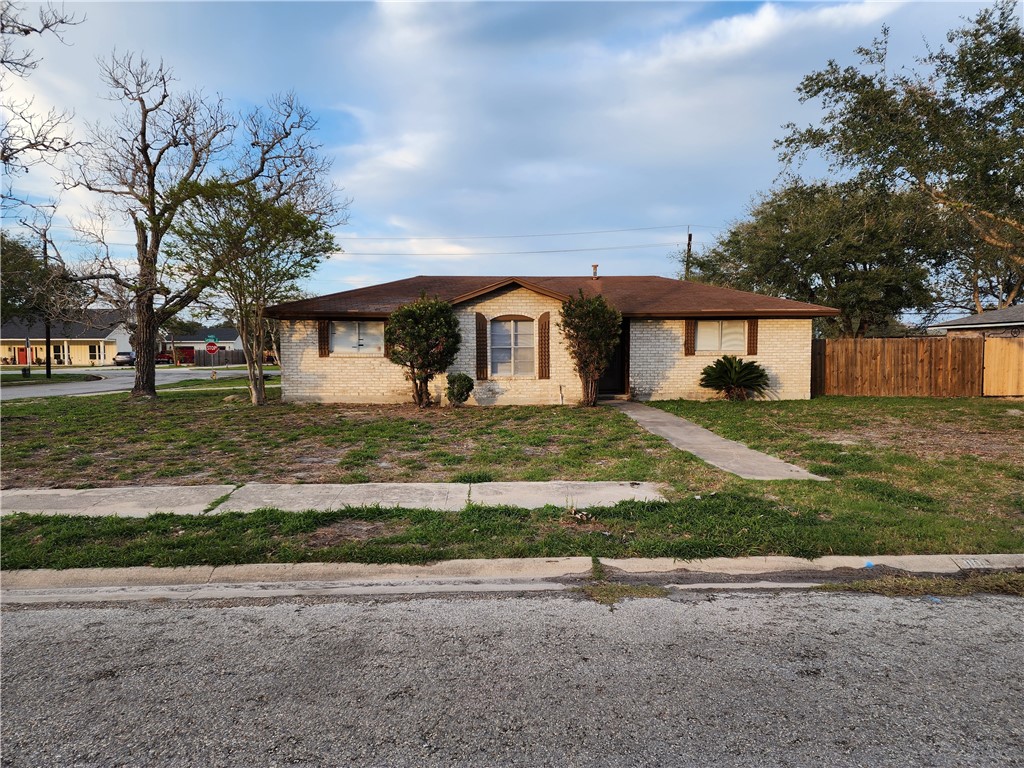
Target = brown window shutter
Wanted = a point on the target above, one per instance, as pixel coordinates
(481, 347)
(387, 347)
(544, 346)
(690, 337)
(323, 337)
(751, 337)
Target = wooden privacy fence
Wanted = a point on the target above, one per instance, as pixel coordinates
(1004, 367)
(223, 357)
(925, 367)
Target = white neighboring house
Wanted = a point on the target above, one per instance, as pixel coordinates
(227, 338)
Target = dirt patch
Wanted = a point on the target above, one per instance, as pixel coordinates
(345, 531)
(934, 440)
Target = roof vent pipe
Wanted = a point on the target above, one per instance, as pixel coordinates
(595, 271)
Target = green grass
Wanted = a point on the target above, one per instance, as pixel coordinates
(196, 437)
(908, 476)
(39, 377)
(1002, 583)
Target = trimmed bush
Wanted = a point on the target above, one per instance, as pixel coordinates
(459, 387)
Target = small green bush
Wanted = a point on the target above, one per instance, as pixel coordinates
(736, 379)
(459, 387)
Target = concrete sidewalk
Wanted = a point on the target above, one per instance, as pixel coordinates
(78, 585)
(141, 501)
(725, 454)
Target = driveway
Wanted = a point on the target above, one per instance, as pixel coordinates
(114, 380)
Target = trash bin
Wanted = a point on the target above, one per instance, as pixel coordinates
(26, 372)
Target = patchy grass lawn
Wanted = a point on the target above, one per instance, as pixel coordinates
(892, 490)
(39, 377)
(893, 462)
(190, 438)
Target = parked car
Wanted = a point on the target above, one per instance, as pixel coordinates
(164, 358)
(124, 358)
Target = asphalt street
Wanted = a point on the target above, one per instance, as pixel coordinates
(721, 679)
(114, 380)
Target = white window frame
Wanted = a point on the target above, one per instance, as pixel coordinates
(359, 349)
(515, 346)
(718, 349)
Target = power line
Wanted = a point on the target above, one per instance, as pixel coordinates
(519, 253)
(542, 234)
(464, 237)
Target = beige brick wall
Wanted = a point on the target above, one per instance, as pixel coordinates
(563, 386)
(658, 369)
(352, 378)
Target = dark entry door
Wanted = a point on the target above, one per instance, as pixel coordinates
(616, 377)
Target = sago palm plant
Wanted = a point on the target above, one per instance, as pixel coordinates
(736, 379)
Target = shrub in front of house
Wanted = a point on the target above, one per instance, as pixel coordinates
(423, 337)
(460, 385)
(591, 327)
(736, 379)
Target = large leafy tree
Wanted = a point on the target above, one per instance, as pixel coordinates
(953, 128)
(591, 327)
(424, 338)
(31, 289)
(257, 249)
(864, 251)
(169, 148)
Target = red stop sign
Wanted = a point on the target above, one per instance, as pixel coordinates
(212, 348)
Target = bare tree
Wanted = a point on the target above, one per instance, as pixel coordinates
(168, 149)
(28, 137)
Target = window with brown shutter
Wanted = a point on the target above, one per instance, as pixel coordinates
(689, 337)
(323, 337)
(544, 346)
(387, 347)
(751, 337)
(481, 347)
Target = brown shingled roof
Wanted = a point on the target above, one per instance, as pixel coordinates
(633, 296)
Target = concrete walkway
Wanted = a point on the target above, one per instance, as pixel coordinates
(141, 501)
(725, 454)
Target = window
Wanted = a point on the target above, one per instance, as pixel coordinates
(357, 337)
(512, 347)
(57, 354)
(722, 336)
(95, 352)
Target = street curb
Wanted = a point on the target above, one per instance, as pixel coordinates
(507, 569)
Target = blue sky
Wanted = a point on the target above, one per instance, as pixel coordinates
(448, 122)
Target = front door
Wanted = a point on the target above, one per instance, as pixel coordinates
(22, 356)
(615, 380)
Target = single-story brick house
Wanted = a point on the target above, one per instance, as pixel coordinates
(332, 347)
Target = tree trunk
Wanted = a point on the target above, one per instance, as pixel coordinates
(145, 349)
(589, 391)
(250, 330)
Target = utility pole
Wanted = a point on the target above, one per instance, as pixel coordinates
(46, 310)
(689, 250)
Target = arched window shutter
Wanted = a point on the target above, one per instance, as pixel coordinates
(751, 337)
(689, 337)
(323, 337)
(544, 346)
(481, 347)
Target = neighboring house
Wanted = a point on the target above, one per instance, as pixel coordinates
(187, 344)
(93, 341)
(999, 323)
(332, 347)
(227, 338)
